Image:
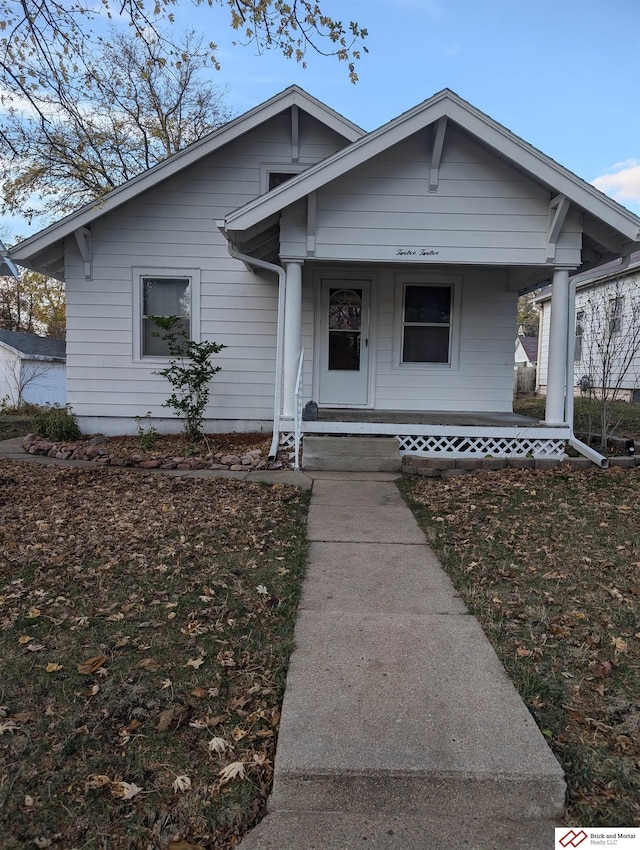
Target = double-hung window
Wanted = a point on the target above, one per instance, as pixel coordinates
(426, 323)
(165, 296)
(616, 310)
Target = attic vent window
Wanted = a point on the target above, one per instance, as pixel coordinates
(277, 178)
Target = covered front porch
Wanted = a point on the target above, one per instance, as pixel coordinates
(436, 433)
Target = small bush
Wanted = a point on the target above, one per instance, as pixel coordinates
(146, 435)
(56, 423)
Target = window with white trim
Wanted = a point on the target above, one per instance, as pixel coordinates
(427, 311)
(616, 310)
(163, 296)
(577, 354)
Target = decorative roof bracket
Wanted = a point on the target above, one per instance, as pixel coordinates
(558, 209)
(311, 224)
(295, 134)
(83, 239)
(436, 152)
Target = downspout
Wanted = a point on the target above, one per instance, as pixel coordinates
(573, 441)
(282, 283)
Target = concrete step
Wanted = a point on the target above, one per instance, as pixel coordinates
(351, 454)
(429, 831)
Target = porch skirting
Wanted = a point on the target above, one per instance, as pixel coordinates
(425, 435)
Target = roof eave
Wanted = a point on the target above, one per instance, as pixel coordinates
(292, 96)
(446, 103)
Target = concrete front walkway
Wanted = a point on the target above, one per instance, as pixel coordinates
(400, 728)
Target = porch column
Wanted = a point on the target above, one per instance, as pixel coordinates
(292, 334)
(558, 341)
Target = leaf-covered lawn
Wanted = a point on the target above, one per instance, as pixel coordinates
(145, 628)
(549, 562)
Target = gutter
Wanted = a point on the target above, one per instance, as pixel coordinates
(282, 282)
(574, 442)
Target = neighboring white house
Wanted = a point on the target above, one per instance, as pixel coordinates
(387, 265)
(606, 330)
(32, 369)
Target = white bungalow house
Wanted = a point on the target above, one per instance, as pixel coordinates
(376, 274)
(32, 369)
(606, 330)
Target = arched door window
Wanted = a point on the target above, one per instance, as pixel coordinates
(345, 329)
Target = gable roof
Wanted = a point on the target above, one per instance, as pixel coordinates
(530, 347)
(621, 225)
(30, 345)
(45, 240)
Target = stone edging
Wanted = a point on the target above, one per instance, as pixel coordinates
(452, 467)
(99, 454)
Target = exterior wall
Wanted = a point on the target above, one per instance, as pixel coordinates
(46, 381)
(484, 211)
(480, 377)
(49, 385)
(172, 229)
(627, 286)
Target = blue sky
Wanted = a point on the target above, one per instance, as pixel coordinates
(562, 74)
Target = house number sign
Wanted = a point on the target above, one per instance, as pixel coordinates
(416, 252)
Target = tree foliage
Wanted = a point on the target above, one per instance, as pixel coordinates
(33, 304)
(528, 315)
(125, 112)
(44, 40)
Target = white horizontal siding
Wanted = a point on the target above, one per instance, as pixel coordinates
(483, 377)
(484, 210)
(170, 228)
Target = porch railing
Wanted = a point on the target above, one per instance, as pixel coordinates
(298, 413)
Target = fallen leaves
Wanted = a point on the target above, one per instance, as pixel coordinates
(169, 604)
(552, 573)
(125, 790)
(174, 717)
(235, 770)
(182, 783)
(91, 665)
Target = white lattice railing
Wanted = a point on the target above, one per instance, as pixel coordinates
(469, 446)
(298, 413)
(449, 441)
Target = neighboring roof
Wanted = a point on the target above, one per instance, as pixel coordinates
(32, 346)
(447, 104)
(44, 240)
(602, 274)
(530, 346)
(7, 268)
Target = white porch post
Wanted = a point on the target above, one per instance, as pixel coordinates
(558, 341)
(292, 335)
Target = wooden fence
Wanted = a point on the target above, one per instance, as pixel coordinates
(524, 380)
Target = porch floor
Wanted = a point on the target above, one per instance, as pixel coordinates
(435, 417)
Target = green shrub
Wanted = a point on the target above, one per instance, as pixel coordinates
(189, 372)
(56, 423)
(146, 436)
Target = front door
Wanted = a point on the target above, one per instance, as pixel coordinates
(344, 342)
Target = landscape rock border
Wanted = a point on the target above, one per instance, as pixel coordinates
(96, 450)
